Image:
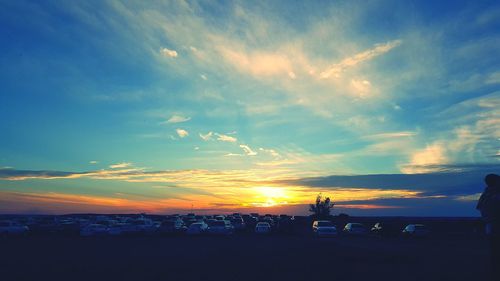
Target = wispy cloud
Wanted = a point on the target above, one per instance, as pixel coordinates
(391, 135)
(182, 133)
(178, 119)
(271, 152)
(226, 138)
(336, 69)
(120, 165)
(93, 162)
(207, 136)
(168, 53)
(258, 63)
(248, 151)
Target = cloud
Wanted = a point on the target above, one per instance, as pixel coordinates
(362, 88)
(391, 135)
(248, 151)
(220, 137)
(493, 78)
(271, 152)
(93, 162)
(225, 138)
(178, 119)
(63, 203)
(187, 178)
(207, 136)
(233, 154)
(258, 63)
(120, 165)
(458, 182)
(338, 68)
(425, 160)
(168, 53)
(182, 133)
(15, 175)
(449, 180)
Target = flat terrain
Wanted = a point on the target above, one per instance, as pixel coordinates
(242, 257)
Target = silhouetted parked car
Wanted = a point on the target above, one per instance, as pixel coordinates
(263, 228)
(355, 229)
(143, 225)
(238, 223)
(220, 227)
(12, 227)
(94, 230)
(324, 228)
(197, 228)
(118, 229)
(43, 225)
(416, 230)
(172, 227)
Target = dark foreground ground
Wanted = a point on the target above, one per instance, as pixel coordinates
(242, 257)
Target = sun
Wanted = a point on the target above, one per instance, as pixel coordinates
(270, 196)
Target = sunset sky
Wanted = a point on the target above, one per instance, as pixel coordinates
(388, 107)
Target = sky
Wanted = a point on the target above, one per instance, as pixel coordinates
(387, 107)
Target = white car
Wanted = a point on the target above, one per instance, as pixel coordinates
(263, 228)
(355, 229)
(324, 228)
(11, 227)
(94, 230)
(197, 228)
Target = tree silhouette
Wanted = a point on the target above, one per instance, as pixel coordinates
(321, 208)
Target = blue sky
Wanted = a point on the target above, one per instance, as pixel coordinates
(157, 106)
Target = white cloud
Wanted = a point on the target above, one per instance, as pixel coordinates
(182, 133)
(425, 160)
(204, 77)
(120, 165)
(168, 53)
(226, 138)
(93, 162)
(207, 136)
(336, 69)
(272, 152)
(178, 119)
(248, 150)
(361, 88)
(391, 135)
(493, 78)
(257, 63)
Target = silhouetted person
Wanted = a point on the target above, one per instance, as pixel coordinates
(489, 206)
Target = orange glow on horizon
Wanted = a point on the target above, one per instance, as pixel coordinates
(224, 199)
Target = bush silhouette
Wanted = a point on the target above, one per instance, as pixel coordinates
(322, 207)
